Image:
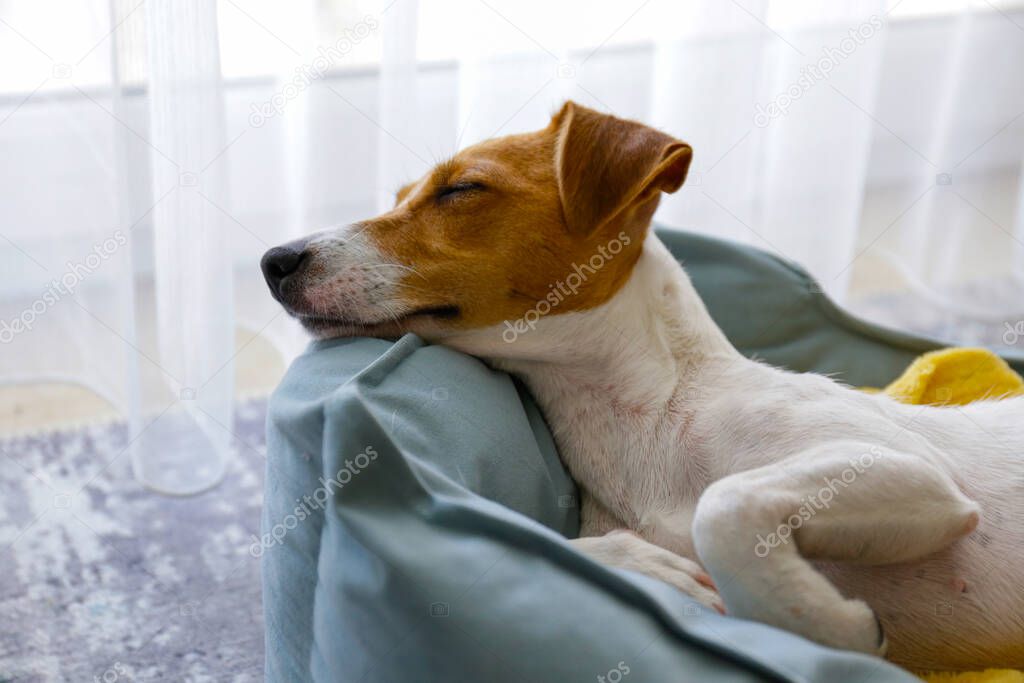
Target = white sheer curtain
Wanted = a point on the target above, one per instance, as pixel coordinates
(153, 149)
(183, 448)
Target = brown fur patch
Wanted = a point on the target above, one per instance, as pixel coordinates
(526, 212)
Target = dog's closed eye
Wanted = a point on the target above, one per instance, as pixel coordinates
(449, 192)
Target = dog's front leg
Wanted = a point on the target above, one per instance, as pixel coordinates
(756, 531)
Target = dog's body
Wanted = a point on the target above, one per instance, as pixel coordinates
(814, 507)
(681, 438)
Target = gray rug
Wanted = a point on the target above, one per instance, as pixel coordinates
(101, 579)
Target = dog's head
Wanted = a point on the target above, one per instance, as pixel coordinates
(542, 223)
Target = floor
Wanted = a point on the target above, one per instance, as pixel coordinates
(105, 581)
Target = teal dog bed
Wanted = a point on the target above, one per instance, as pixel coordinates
(416, 513)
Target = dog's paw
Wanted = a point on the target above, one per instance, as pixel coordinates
(625, 550)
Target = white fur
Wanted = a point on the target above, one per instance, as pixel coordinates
(670, 432)
(357, 282)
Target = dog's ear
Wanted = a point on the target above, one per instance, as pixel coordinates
(606, 165)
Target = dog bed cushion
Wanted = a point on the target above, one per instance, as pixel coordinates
(416, 512)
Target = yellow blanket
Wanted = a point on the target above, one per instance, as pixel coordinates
(959, 376)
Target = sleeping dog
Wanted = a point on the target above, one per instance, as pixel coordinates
(796, 501)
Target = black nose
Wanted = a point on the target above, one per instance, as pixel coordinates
(280, 262)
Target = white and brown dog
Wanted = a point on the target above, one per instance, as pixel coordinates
(814, 507)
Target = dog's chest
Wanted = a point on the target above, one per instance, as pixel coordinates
(654, 458)
(636, 458)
